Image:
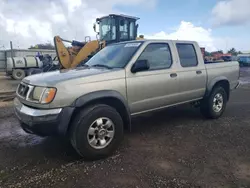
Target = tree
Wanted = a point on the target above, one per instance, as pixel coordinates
(220, 51)
(217, 52)
(47, 46)
(207, 53)
(233, 51)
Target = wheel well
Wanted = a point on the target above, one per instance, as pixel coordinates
(111, 101)
(225, 84)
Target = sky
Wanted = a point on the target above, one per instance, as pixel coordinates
(214, 24)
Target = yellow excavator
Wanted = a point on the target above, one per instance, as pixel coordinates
(113, 28)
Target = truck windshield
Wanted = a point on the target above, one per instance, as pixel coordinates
(107, 29)
(114, 56)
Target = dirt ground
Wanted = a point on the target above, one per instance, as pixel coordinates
(176, 147)
(6, 83)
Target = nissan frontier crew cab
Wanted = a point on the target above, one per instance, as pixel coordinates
(93, 104)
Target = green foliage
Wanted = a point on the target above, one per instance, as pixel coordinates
(215, 52)
(234, 52)
(47, 46)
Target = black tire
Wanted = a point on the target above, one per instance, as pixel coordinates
(80, 126)
(207, 109)
(18, 74)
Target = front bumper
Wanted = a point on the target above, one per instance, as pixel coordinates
(43, 122)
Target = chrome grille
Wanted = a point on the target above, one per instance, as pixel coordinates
(24, 90)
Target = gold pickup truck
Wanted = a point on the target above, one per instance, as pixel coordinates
(93, 104)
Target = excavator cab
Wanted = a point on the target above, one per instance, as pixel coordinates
(116, 28)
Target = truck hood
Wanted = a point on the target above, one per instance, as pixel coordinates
(59, 76)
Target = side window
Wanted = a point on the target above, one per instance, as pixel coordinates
(157, 55)
(187, 55)
(123, 29)
(131, 30)
(113, 34)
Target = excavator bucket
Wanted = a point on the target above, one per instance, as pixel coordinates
(62, 53)
(67, 55)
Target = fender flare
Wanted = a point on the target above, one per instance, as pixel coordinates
(98, 95)
(213, 82)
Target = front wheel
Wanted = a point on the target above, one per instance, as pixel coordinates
(96, 131)
(214, 105)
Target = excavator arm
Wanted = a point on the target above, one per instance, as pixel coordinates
(87, 50)
(62, 53)
(79, 52)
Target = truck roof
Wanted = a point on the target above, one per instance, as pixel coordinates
(120, 15)
(158, 40)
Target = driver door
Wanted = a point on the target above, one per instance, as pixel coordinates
(156, 87)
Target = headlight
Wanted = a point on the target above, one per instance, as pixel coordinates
(48, 95)
(37, 93)
(42, 95)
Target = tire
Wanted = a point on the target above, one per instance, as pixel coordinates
(80, 139)
(18, 74)
(207, 106)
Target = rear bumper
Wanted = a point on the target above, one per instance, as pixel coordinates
(43, 122)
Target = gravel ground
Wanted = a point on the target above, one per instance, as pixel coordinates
(6, 83)
(245, 76)
(172, 148)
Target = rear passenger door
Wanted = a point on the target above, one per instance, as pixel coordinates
(156, 87)
(191, 71)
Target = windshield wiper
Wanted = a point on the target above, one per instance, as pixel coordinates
(101, 65)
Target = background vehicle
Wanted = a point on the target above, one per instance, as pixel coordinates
(113, 28)
(19, 67)
(93, 104)
(244, 59)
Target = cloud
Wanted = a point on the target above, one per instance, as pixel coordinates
(205, 37)
(27, 23)
(188, 31)
(231, 12)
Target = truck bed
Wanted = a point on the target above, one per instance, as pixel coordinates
(223, 69)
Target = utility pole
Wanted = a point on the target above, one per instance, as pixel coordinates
(11, 49)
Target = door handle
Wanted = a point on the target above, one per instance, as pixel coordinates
(198, 72)
(173, 75)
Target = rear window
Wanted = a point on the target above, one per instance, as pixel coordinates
(187, 55)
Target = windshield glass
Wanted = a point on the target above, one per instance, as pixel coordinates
(107, 29)
(114, 56)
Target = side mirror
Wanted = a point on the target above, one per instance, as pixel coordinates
(140, 65)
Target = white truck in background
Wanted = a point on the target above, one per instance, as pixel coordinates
(16, 67)
(20, 67)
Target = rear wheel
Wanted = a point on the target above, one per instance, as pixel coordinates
(18, 74)
(96, 131)
(214, 105)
